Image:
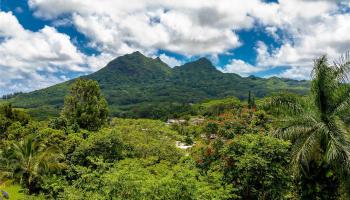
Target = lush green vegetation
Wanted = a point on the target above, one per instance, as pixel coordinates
(317, 125)
(136, 86)
(284, 146)
(13, 191)
(84, 106)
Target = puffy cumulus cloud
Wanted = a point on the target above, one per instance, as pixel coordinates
(297, 72)
(46, 48)
(40, 50)
(9, 25)
(307, 35)
(171, 61)
(22, 81)
(187, 27)
(241, 67)
(96, 62)
(327, 36)
(304, 28)
(32, 60)
(62, 22)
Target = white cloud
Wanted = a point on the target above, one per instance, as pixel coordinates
(97, 62)
(22, 81)
(329, 35)
(187, 27)
(62, 22)
(26, 50)
(32, 60)
(241, 67)
(207, 27)
(272, 30)
(171, 61)
(9, 25)
(310, 34)
(297, 72)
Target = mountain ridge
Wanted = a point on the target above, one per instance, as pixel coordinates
(134, 81)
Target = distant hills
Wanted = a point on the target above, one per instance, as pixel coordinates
(138, 86)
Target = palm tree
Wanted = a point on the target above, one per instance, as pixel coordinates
(29, 161)
(317, 127)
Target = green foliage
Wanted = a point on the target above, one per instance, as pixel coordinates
(85, 105)
(208, 154)
(321, 182)
(189, 131)
(217, 107)
(58, 123)
(144, 138)
(14, 191)
(251, 101)
(105, 144)
(9, 115)
(16, 131)
(159, 110)
(238, 121)
(148, 179)
(316, 126)
(52, 138)
(257, 166)
(28, 160)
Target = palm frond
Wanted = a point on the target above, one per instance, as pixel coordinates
(303, 151)
(33, 158)
(318, 130)
(293, 128)
(338, 147)
(339, 100)
(324, 85)
(342, 106)
(342, 67)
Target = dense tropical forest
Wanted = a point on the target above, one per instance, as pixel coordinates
(281, 146)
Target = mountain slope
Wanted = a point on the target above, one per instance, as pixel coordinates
(132, 67)
(135, 83)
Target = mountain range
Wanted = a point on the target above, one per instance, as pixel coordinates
(135, 85)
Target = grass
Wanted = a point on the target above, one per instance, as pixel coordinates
(14, 190)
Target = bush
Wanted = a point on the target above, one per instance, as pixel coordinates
(104, 144)
(257, 166)
(139, 179)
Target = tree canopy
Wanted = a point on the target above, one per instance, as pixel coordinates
(85, 106)
(317, 127)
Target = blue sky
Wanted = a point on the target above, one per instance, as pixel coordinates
(44, 42)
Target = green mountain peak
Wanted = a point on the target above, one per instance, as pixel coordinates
(133, 81)
(198, 66)
(134, 66)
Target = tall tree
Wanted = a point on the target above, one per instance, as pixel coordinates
(316, 126)
(251, 100)
(85, 105)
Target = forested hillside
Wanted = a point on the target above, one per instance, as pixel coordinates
(138, 86)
